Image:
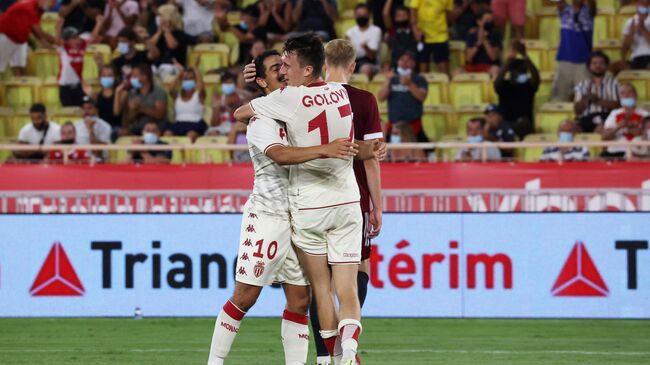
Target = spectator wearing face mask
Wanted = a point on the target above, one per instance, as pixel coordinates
(140, 100)
(643, 153)
(475, 134)
(483, 46)
(366, 40)
(251, 28)
(400, 37)
(469, 11)
(566, 132)
(91, 129)
(119, 14)
(516, 85)
(596, 96)
(636, 37)
(68, 136)
(105, 100)
(623, 124)
(151, 136)
(498, 130)
(171, 41)
(129, 56)
(189, 95)
(225, 103)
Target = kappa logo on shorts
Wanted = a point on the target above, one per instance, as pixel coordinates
(250, 228)
(244, 257)
(242, 271)
(259, 269)
(248, 242)
(252, 215)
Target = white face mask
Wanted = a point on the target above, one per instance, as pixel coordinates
(404, 71)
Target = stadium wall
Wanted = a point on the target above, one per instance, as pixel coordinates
(569, 265)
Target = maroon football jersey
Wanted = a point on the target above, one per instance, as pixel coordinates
(367, 125)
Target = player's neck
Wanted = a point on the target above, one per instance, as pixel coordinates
(337, 74)
(312, 80)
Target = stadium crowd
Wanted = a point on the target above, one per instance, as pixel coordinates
(154, 72)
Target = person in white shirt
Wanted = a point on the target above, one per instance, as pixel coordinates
(636, 36)
(566, 132)
(39, 132)
(623, 124)
(189, 93)
(366, 39)
(119, 14)
(197, 19)
(475, 131)
(91, 129)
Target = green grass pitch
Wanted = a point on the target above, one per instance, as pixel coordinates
(384, 341)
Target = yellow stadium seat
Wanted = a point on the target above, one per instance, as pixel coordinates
(464, 114)
(551, 58)
(623, 15)
(532, 154)
(469, 88)
(49, 94)
(234, 17)
(345, 22)
(90, 70)
(375, 85)
(549, 25)
(212, 84)
(438, 88)
(178, 156)
(640, 79)
(456, 54)
(121, 156)
(211, 155)
(48, 22)
(537, 51)
(21, 91)
(530, 28)
(590, 137)
(6, 116)
(611, 47)
(359, 81)
(550, 115)
(213, 56)
(435, 120)
(43, 63)
(19, 120)
(604, 23)
(4, 154)
(233, 45)
(449, 154)
(543, 94)
(612, 4)
(66, 114)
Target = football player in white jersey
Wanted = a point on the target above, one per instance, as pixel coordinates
(265, 253)
(323, 193)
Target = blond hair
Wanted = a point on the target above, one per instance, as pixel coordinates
(171, 13)
(339, 53)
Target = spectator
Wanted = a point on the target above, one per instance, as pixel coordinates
(483, 46)
(39, 132)
(225, 103)
(366, 40)
(189, 104)
(405, 92)
(513, 10)
(399, 37)
(170, 40)
(72, 48)
(81, 14)
(250, 29)
(315, 16)
(16, 24)
(596, 96)
(469, 12)
(429, 21)
(151, 136)
(119, 14)
(105, 100)
(380, 12)
(68, 136)
(517, 92)
(576, 34)
(623, 124)
(475, 131)
(237, 135)
(91, 129)
(643, 153)
(636, 37)
(566, 134)
(198, 16)
(129, 55)
(498, 130)
(279, 21)
(141, 100)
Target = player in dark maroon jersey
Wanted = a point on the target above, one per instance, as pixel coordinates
(340, 60)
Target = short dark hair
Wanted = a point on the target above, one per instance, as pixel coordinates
(227, 76)
(145, 69)
(129, 34)
(403, 8)
(38, 108)
(477, 120)
(598, 54)
(309, 49)
(252, 10)
(362, 5)
(260, 69)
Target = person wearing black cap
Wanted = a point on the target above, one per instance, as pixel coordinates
(91, 129)
(498, 130)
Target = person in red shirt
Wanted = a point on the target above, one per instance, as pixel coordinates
(16, 24)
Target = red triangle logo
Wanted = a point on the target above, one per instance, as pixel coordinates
(579, 276)
(57, 276)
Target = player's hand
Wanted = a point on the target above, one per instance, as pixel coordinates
(340, 148)
(379, 149)
(375, 219)
(250, 73)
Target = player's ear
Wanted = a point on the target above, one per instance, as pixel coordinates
(352, 67)
(309, 71)
(261, 82)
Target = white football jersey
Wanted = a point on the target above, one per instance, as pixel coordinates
(270, 190)
(315, 115)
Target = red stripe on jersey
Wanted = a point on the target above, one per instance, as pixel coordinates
(295, 317)
(345, 110)
(234, 312)
(317, 84)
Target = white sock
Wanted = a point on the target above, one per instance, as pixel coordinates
(338, 351)
(295, 338)
(349, 330)
(323, 360)
(225, 330)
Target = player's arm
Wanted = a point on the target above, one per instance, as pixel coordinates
(341, 148)
(281, 104)
(374, 186)
(368, 150)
